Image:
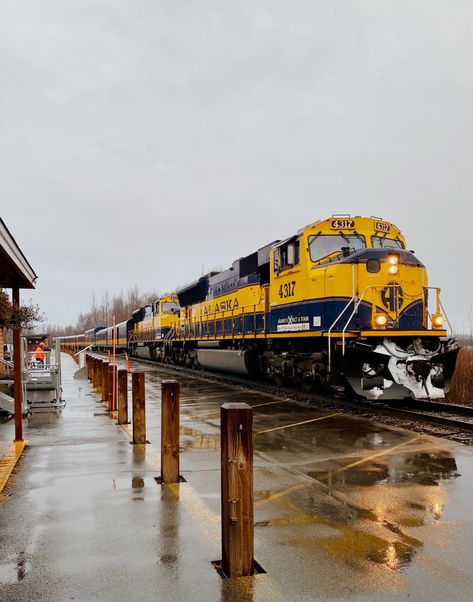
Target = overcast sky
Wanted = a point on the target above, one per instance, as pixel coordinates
(144, 141)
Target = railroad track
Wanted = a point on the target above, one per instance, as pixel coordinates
(450, 421)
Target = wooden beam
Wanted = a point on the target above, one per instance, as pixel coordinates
(170, 431)
(104, 382)
(122, 397)
(237, 489)
(18, 384)
(138, 407)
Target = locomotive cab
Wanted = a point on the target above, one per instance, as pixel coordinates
(352, 283)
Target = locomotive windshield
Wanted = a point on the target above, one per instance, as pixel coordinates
(169, 306)
(381, 242)
(323, 245)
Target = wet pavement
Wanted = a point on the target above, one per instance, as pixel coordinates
(345, 508)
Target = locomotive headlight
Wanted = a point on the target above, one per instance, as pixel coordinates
(393, 260)
(393, 269)
(437, 321)
(380, 320)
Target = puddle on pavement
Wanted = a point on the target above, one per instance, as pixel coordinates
(194, 439)
(137, 482)
(356, 534)
(366, 508)
(422, 468)
(355, 547)
(14, 569)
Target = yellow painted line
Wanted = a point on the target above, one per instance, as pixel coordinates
(209, 523)
(126, 429)
(217, 409)
(286, 426)
(8, 461)
(384, 452)
(270, 403)
(280, 494)
(215, 395)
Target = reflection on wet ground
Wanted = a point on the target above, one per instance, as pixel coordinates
(349, 488)
(14, 568)
(43, 418)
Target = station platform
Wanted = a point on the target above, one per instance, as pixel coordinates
(345, 508)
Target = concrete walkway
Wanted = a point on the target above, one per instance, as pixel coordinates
(345, 509)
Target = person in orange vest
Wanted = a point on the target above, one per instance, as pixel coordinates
(39, 353)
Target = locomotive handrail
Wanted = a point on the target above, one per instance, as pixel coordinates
(357, 305)
(330, 331)
(439, 305)
(354, 295)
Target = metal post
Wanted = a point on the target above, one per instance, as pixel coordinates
(18, 385)
(57, 358)
(170, 431)
(122, 397)
(104, 381)
(237, 489)
(138, 407)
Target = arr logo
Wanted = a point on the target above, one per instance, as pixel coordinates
(392, 297)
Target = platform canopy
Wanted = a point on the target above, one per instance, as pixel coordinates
(15, 270)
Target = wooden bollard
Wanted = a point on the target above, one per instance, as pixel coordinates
(138, 407)
(97, 375)
(115, 385)
(237, 489)
(111, 369)
(122, 377)
(105, 381)
(170, 431)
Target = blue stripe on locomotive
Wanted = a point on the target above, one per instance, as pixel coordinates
(320, 315)
(313, 316)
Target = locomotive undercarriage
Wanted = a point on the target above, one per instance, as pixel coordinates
(397, 368)
(374, 368)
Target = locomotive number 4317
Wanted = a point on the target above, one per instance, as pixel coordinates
(339, 224)
(287, 289)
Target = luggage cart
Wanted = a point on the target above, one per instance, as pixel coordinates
(43, 380)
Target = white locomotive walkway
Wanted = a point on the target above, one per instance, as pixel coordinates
(345, 509)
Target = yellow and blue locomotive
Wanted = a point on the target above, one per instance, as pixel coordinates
(342, 301)
(151, 327)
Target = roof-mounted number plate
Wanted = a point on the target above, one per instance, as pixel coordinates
(382, 227)
(343, 224)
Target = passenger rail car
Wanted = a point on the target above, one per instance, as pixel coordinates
(342, 301)
(107, 338)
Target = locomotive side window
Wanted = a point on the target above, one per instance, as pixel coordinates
(323, 245)
(380, 242)
(287, 255)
